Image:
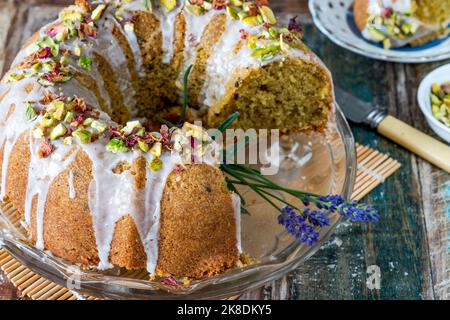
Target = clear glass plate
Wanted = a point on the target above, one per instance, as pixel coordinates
(334, 18)
(320, 163)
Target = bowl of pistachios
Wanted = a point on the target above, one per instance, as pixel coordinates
(434, 100)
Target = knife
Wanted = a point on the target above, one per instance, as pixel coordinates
(361, 112)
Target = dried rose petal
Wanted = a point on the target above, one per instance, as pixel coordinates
(295, 27)
(88, 30)
(446, 88)
(387, 12)
(197, 2)
(44, 53)
(45, 148)
(244, 34)
(169, 281)
(131, 140)
(79, 119)
(219, 4)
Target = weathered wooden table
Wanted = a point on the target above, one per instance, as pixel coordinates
(410, 243)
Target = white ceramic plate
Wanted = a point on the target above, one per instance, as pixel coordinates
(334, 18)
(439, 75)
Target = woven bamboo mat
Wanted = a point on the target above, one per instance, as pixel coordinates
(373, 169)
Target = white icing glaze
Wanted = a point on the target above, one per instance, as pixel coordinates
(195, 26)
(236, 200)
(167, 27)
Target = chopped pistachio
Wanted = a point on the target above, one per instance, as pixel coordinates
(252, 21)
(237, 3)
(60, 111)
(194, 10)
(30, 113)
(169, 5)
(147, 5)
(71, 14)
(38, 133)
(47, 121)
(435, 88)
(141, 132)
(117, 146)
(155, 165)
(99, 126)
(84, 136)
(70, 116)
(156, 150)
(68, 141)
(207, 5)
(37, 67)
(88, 122)
(377, 35)
(58, 131)
(435, 100)
(143, 146)
(12, 77)
(131, 125)
(86, 63)
(268, 15)
(64, 60)
(77, 51)
(97, 13)
(232, 13)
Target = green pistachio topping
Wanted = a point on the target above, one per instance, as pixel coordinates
(143, 146)
(99, 126)
(117, 146)
(30, 114)
(155, 165)
(58, 131)
(83, 135)
(86, 63)
(47, 121)
(97, 13)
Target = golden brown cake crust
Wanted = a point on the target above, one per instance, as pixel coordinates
(360, 12)
(189, 237)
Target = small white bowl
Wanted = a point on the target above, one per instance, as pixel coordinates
(439, 75)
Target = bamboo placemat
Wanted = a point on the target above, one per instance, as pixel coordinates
(374, 168)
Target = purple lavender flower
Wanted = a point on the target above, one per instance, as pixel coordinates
(318, 218)
(355, 211)
(296, 225)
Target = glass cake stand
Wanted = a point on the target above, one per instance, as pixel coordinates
(320, 163)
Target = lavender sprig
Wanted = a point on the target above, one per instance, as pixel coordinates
(303, 224)
(296, 221)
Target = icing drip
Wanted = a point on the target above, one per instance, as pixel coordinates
(72, 192)
(167, 26)
(15, 122)
(107, 44)
(195, 26)
(41, 173)
(236, 201)
(108, 205)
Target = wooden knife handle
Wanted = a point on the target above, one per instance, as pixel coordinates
(417, 142)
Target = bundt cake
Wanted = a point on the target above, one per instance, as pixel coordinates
(396, 23)
(96, 182)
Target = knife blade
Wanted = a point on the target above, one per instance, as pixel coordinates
(361, 112)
